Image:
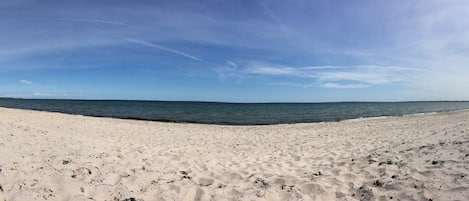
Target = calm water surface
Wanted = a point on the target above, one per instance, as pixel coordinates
(232, 113)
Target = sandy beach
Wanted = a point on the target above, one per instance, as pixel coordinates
(51, 156)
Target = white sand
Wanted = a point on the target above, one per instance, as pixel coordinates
(50, 156)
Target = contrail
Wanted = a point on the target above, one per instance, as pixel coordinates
(93, 21)
(167, 49)
(273, 16)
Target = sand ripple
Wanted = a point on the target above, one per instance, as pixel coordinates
(49, 156)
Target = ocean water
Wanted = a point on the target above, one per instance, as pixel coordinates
(231, 113)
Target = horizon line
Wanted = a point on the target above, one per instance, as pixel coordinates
(236, 102)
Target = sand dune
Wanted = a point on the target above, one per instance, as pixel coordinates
(50, 156)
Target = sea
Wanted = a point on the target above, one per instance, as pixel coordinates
(232, 113)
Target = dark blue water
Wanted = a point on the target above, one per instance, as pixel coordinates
(232, 113)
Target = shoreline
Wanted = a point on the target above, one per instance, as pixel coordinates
(55, 156)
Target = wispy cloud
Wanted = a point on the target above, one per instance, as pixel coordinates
(269, 70)
(332, 76)
(342, 86)
(166, 49)
(52, 95)
(231, 64)
(27, 82)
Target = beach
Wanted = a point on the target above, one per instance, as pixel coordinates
(53, 156)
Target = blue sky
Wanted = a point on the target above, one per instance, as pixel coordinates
(238, 51)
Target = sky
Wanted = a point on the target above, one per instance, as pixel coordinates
(235, 51)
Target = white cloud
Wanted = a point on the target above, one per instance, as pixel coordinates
(51, 95)
(291, 84)
(26, 82)
(268, 70)
(230, 69)
(334, 76)
(8, 95)
(343, 86)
